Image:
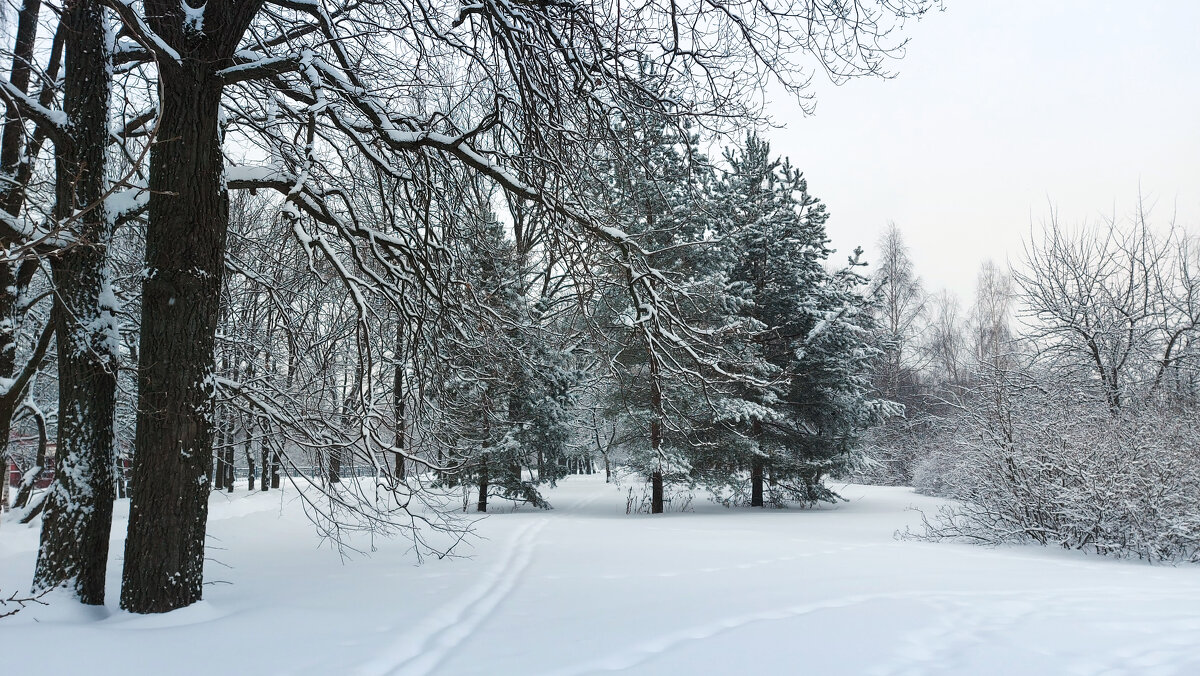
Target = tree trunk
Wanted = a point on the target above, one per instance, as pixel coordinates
(335, 466)
(756, 465)
(185, 255)
(229, 477)
(78, 508)
(656, 492)
(265, 460)
(29, 480)
(483, 485)
(15, 276)
(275, 469)
(219, 473)
(756, 481)
(656, 437)
(398, 399)
(25, 487)
(4, 485)
(249, 464)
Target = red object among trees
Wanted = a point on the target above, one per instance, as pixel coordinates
(43, 480)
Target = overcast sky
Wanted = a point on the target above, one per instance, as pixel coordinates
(999, 111)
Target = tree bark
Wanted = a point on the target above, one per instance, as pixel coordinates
(398, 398)
(78, 508)
(29, 480)
(335, 466)
(219, 472)
(185, 252)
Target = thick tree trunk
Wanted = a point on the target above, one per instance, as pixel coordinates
(185, 253)
(274, 469)
(335, 466)
(78, 509)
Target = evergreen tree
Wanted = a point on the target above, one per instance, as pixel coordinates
(809, 341)
(668, 323)
(510, 392)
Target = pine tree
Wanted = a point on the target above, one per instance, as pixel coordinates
(666, 322)
(809, 341)
(510, 391)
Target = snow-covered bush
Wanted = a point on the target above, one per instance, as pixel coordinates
(893, 451)
(1029, 458)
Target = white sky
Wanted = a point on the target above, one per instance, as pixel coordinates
(1000, 110)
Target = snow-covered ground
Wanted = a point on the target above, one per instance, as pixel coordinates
(587, 589)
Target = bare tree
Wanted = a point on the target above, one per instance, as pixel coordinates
(1116, 301)
(901, 306)
(945, 343)
(991, 315)
(1029, 456)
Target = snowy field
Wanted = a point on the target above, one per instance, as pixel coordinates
(585, 589)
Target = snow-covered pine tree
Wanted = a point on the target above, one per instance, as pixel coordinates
(510, 391)
(810, 337)
(669, 327)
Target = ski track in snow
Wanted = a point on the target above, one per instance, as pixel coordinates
(927, 651)
(748, 565)
(421, 650)
(635, 655)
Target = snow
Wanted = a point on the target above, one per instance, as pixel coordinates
(587, 589)
(193, 17)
